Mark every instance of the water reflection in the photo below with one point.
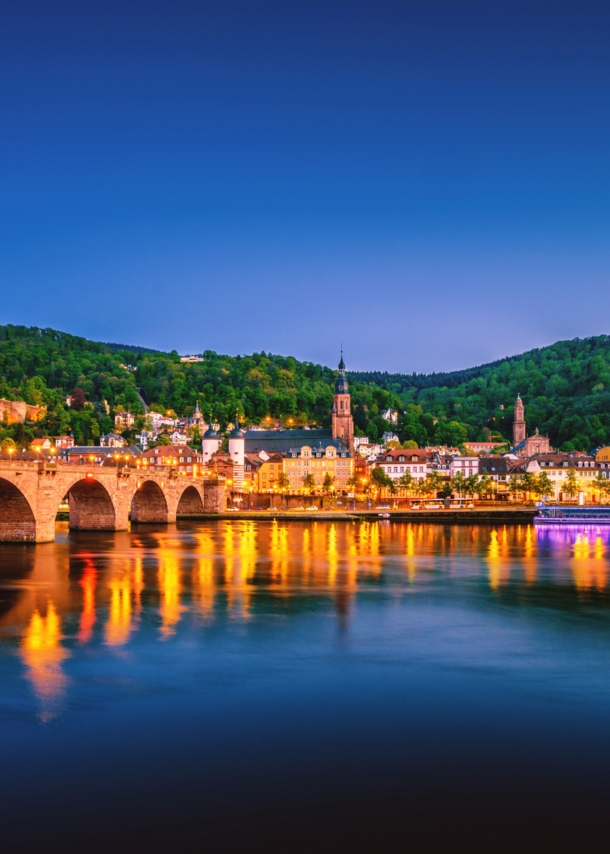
(89, 589)
(170, 587)
(43, 655)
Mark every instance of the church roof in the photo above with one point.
(286, 441)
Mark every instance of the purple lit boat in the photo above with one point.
(572, 515)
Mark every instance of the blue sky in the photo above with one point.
(426, 182)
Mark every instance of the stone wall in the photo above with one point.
(215, 496)
(12, 411)
(17, 411)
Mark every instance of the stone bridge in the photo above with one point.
(100, 498)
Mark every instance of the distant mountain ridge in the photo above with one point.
(451, 379)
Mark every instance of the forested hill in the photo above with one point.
(43, 366)
(565, 387)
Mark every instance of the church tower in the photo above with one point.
(519, 434)
(343, 423)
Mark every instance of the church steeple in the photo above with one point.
(519, 431)
(343, 423)
(341, 385)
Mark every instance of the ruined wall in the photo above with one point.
(17, 411)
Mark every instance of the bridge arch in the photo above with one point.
(149, 503)
(190, 502)
(17, 520)
(91, 506)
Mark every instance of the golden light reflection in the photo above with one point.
(43, 655)
(138, 584)
(170, 590)
(332, 555)
(204, 587)
(240, 555)
(118, 626)
(529, 554)
(588, 564)
(87, 618)
(581, 568)
(498, 565)
(279, 551)
(410, 553)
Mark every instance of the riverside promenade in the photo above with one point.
(519, 514)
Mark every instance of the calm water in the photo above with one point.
(248, 686)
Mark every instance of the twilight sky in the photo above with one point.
(427, 182)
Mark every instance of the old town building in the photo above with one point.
(181, 458)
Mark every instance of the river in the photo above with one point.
(306, 686)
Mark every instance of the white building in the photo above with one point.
(158, 420)
(466, 465)
(237, 447)
(112, 440)
(398, 462)
(369, 450)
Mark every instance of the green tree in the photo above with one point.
(602, 486)
(543, 486)
(353, 482)
(309, 482)
(328, 484)
(486, 485)
(381, 480)
(459, 483)
(515, 486)
(471, 485)
(571, 484)
(447, 488)
(405, 482)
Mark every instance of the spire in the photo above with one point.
(342, 363)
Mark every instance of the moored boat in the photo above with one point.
(572, 515)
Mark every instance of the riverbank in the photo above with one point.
(491, 515)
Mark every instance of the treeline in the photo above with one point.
(43, 366)
(565, 387)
